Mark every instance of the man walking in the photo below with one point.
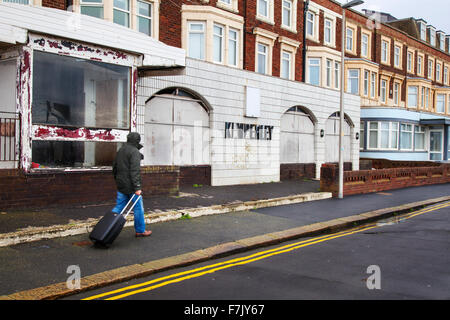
(127, 174)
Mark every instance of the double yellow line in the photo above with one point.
(198, 272)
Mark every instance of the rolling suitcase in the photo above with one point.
(110, 226)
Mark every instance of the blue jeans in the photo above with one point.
(121, 202)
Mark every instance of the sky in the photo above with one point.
(434, 12)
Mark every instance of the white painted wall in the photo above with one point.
(242, 161)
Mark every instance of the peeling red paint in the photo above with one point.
(106, 135)
(61, 132)
(42, 133)
(54, 44)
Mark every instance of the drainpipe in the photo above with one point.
(305, 11)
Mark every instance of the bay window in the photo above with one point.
(383, 135)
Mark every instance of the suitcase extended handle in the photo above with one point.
(131, 208)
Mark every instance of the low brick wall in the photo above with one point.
(297, 171)
(367, 181)
(52, 188)
(190, 175)
(385, 163)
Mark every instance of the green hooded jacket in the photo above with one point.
(127, 165)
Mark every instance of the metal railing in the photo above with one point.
(9, 136)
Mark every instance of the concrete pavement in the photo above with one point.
(40, 267)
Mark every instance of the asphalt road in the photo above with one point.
(395, 259)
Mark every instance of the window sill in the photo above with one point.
(54, 170)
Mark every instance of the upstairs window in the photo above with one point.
(287, 13)
(310, 24)
(218, 43)
(144, 17)
(196, 46)
(263, 56)
(93, 8)
(121, 12)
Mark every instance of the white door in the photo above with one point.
(296, 137)
(332, 140)
(436, 144)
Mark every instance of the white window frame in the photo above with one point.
(410, 132)
(236, 41)
(287, 6)
(438, 102)
(441, 41)
(337, 74)
(218, 36)
(86, 4)
(385, 45)
(396, 93)
(393, 131)
(124, 11)
(438, 72)
(311, 24)
(366, 82)
(373, 85)
(329, 73)
(269, 17)
(383, 90)
(420, 59)
(150, 18)
(397, 56)
(265, 54)
(421, 130)
(365, 45)
(203, 32)
(410, 94)
(430, 68)
(349, 36)
(423, 31)
(328, 31)
(308, 74)
(445, 81)
(410, 61)
(432, 37)
(349, 81)
(289, 62)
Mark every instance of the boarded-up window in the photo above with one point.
(176, 131)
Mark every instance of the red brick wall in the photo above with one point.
(367, 181)
(190, 175)
(18, 190)
(297, 171)
(57, 4)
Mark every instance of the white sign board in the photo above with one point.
(253, 99)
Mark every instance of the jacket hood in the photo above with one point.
(134, 138)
